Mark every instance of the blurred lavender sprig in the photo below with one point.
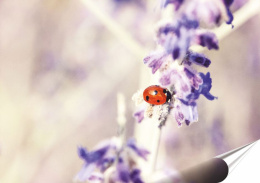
(175, 61)
(110, 156)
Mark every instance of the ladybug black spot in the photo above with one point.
(147, 98)
(155, 92)
(158, 101)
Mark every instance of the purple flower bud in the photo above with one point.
(197, 58)
(176, 53)
(187, 122)
(209, 40)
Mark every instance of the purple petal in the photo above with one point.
(105, 163)
(139, 115)
(229, 13)
(179, 117)
(155, 61)
(166, 29)
(208, 40)
(204, 88)
(131, 143)
(123, 172)
(155, 65)
(185, 113)
(194, 78)
(189, 23)
(187, 122)
(93, 156)
(135, 176)
(188, 73)
(228, 2)
(176, 53)
(82, 152)
(85, 172)
(176, 3)
(165, 79)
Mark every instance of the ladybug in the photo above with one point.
(156, 95)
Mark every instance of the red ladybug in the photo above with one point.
(156, 95)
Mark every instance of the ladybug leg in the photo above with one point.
(169, 96)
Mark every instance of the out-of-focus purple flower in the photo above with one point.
(197, 58)
(94, 159)
(123, 172)
(77, 72)
(108, 155)
(217, 136)
(141, 152)
(204, 88)
(210, 12)
(139, 115)
(206, 39)
(126, 175)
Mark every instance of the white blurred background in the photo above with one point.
(62, 64)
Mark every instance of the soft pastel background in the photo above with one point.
(62, 64)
